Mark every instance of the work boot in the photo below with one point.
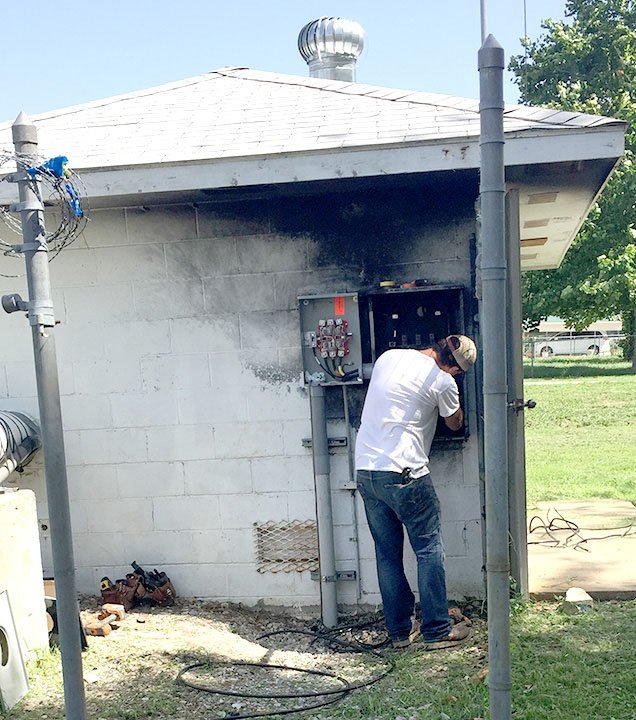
(457, 616)
(413, 636)
(458, 635)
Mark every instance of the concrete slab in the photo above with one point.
(589, 544)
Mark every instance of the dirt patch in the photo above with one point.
(141, 659)
(132, 673)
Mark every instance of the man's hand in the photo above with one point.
(456, 420)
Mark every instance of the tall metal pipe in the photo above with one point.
(493, 322)
(483, 19)
(516, 434)
(324, 515)
(42, 322)
(354, 500)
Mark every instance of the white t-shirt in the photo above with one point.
(406, 393)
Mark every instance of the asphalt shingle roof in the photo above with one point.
(236, 112)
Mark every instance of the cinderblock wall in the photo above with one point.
(182, 395)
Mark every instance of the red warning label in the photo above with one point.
(339, 305)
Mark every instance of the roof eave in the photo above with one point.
(106, 185)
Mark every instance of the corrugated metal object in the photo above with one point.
(331, 46)
(19, 441)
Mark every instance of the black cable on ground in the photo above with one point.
(341, 629)
(561, 523)
(342, 644)
(338, 693)
(329, 697)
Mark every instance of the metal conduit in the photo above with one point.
(516, 431)
(493, 322)
(42, 321)
(19, 442)
(324, 514)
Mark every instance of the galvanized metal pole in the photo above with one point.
(516, 434)
(324, 515)
(483, 20)
(493, 322)
(41, 318)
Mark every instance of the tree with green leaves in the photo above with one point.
(587, 63)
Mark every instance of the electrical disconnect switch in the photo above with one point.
(332, 338)
(330, 328)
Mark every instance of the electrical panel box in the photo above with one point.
(415, 317)
(330, 339)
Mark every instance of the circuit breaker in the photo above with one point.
(330, 339)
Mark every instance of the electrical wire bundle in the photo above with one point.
(335, 369)
(59, 189)
(334, 687)
(553, 528)
(330, 347)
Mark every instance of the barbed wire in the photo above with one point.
(59, 189)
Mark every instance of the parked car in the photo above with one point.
(572, 342)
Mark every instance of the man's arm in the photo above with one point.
(456, 420)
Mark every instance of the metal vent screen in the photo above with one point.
(286, 546)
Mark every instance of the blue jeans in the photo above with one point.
(392, 502)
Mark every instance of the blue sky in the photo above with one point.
(61, 54)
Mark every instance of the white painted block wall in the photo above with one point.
(184, 409)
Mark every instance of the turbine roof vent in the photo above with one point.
(331, 46)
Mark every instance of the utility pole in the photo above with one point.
(492, 191)
(42, 321)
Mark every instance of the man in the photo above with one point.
(407, 392)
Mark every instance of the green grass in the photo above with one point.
(576, 367)
(580, 438)
(580, 445)
(563, 666)
(577, 667)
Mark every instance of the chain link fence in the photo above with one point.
(574, 343)
(539, 349)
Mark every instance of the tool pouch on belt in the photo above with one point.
(136, 582)
(163, 595)
(121, 592)
(154, 588)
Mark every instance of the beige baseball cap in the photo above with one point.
(463, 349)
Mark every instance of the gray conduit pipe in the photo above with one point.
(19, 442)
(324, 515)
(516, 430)
(351, 462)
(493, 323)
(42, 322)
